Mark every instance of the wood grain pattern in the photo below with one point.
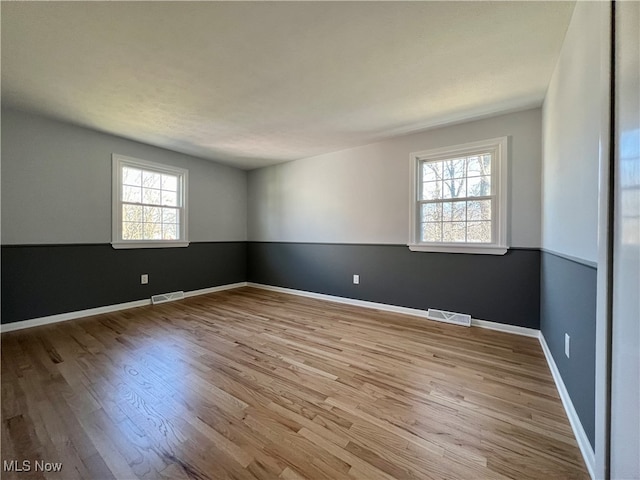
(249, 384)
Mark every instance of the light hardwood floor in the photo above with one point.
(255, 384)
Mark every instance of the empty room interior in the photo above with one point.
(320, 240)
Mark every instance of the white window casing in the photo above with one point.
(149, 204)
(434, 173)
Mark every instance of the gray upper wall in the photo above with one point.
(56, 185)
(361, 195)
(571, 134)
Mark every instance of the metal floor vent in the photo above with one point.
(167, 297)
(449, 317)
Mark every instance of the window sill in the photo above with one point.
(150, 244)
(475, 249)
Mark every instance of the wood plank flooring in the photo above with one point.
(249, 384)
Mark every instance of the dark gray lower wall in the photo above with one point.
(568, 305)
(44, 280)
(499, 288)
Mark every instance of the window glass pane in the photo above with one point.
(479, 186)
(479, 165)
(170, 231)
(431, 171)
(485, 164)
(131, 213)
(152, 231)
(459, 211)
(131, 231)
(131, 194)
(131, 176)
(452, 211)
(454, 188)
(454, 168)
(152, 214)
(151, 196)
(170, 215)
(447, 211)
(453, 231)
(431, 212)
(473, 166)
(151, 180)
(170, 182)
(169, 198)
(479, 210)
(431, 190)
(479, 232)
(431, 232)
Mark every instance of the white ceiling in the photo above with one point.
(257, 83)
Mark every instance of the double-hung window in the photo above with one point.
(149, 204)
(459, 198)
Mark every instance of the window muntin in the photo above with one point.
(149, 204)
(459, 198)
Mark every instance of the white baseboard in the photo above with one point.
(581, 436)
(63, 317)
(528, 332)
(504, 327)
(220, 288)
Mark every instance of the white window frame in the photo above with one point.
(499, 195)
(119, 161)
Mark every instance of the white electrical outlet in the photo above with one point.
(356, 279)
(567, 344)
(144, 278)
